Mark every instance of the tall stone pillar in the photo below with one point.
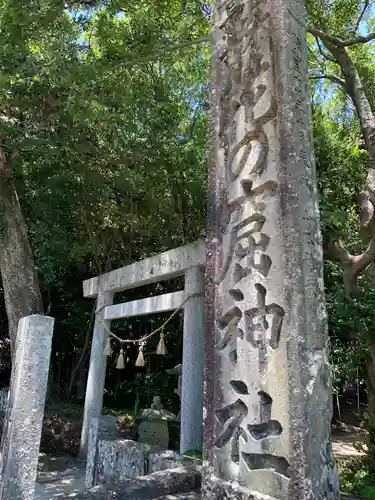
(192, 362)
(24, 417)
(97, 370)
(267, 409)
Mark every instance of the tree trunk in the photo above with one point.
(81, 381)
(20, 282)
(371, 399)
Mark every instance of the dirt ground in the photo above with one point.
(347, 433)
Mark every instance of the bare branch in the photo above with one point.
(353, 265)
(361, 262)
(157, 55)
(358, 39)
(324, 54)
(366, 4)
(80, 3)
(339, 42)
(333, 78)
(337, 251)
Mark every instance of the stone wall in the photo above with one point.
(110, 459)
(119, 459)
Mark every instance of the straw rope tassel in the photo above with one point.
(140, 359)
(108, 348)
(161, 350)
(121, 361)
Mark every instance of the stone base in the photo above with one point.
(165, 460)
(216, 489)
(159, 485)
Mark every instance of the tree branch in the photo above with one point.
(333, 78)
(157, 55)
(339, 42)
(337, 251)
(357, 40)
(324, 54)
(353, 265)
(82, 3)
(366, 4)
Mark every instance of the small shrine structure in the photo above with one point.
(188, 261)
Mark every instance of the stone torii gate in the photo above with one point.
(188, 261)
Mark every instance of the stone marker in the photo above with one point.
(267, 409)
(104, 427)
(119, 459)
(153, 424)
(24, 420)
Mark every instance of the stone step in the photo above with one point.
(193, 495)
(162, 484)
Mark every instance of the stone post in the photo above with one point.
(24, 419)
(267, 410)
(97, 370)
(192, 362)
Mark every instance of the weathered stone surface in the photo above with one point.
(164, 460)
(158, 303)
(224, 490)
(92, 445)
(267, 379)
(181, 496)
(118, 460)
(167, 265)
(158, 484)
(114, 459)
(153, 424)
(23, 426)
(103, 428)
(108, 427)
(154, 431)
(108, 423)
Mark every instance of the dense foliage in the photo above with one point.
(104, 119)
